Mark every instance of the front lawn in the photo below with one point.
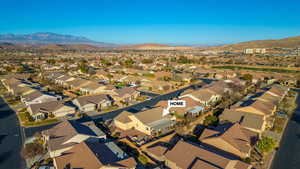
(110, 108)
(142, 98)
(278, 125)
(288, 104)
(143, 159)
(41, 122)
(266, 144)
(27, 120)
(2, 89)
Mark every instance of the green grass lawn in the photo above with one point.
(110, 108)
(256, 69)
(288, 105)
(143, 159)
(41, 123)
(27, 120)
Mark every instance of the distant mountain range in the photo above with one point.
(55, 41)
(45, 38)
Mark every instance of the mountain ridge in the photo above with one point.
(44, 38)
(155, 46)
(288, 42)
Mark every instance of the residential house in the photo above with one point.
(256, 115)
(51, 75)
(278, 91)
(93, 102)
(63, 79)
(156, 85)
(131, 71)
(192, 108)
(250, 121)
(163, 75)
(259, 107)
(119, 77)
(185, 155)
(186, 77)
(92, 88)
(56, 108)
(209, 94)
(39, 97)
(230, 137)
(133, 80)
(76, 83)
(17, 86)
(66, 134)
(203, 96)
(93, 155)
(151, 122)
(102, 75)
(125, 95)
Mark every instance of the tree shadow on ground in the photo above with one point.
(2, 136)
(5, 155)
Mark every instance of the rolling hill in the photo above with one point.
(154, 46)
(290, 42)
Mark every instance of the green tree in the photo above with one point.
(51, 61)
(83, 68)
(129, 62)
(105, 62)
(266, 144)
(298, 79)
(32, 149)
(183, 59)
(21, 69)
(210, 120)
(143, 159)
(247, 77)
(29, 117)
(147, 61)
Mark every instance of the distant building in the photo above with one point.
(255, 51)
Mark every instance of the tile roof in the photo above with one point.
(93, 155)
(202, 94)
(278, 90)
(246, 119)
(235, 136)
(47, 106)
(157, 150)
(267, 97)
(187, 155)
(92, 99)
(265, 107)
(91, 85)
(33, 95)
(63, 132)
(125, 91)
(150, 115)
(123, 117)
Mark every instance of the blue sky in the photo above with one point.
(158, 21)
